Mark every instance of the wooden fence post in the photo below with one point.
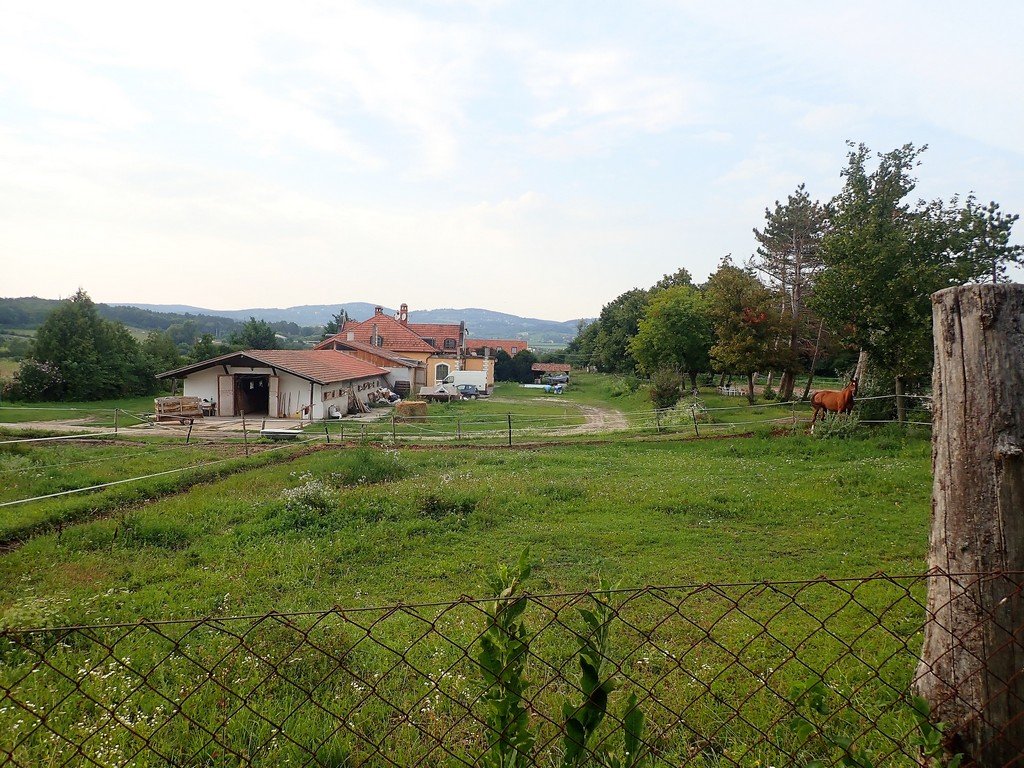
(245, 435)
(970, 670)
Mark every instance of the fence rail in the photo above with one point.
(768, 673)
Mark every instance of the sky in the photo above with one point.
(537, 158)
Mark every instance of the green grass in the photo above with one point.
(641, 513)
(30, 470)
(365, 527)
(92, 412)
(8, 368)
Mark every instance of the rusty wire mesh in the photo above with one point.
(759, 674)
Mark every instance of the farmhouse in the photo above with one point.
(434, 349)
(282, 382)
(490, 347)
(402, 371)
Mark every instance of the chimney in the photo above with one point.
(350, 336)
(378, 310)
(375, 337)
(403, 314)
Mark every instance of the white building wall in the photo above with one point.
(293, 392)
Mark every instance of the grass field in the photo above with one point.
(426, 524)
(89, 413)
(366, 526)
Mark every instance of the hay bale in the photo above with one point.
(411, 410)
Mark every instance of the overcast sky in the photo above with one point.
(535, 158)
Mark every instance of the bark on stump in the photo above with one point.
(972, 666)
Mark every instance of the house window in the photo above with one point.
(514, 350)
(440, 372)
(431, 342)
(449, 343)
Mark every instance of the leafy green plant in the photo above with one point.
(504, 646)
(816, 721)
(839, 426)
(928, 736)
(596, 684)
(666, 387)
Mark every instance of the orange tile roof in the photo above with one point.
(396, 336)
(385, 354)
(550, 367)
(505, 344)
(320, 366)
(436, 331)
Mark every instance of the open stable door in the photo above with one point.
(225, 395)
(273, 408)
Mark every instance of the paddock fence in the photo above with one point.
(817, 672)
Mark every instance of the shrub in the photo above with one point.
(666, 387)
(837, 426)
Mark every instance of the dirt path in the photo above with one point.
(598, 419)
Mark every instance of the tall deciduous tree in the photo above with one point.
(788, 254)
(616, 325)
(745, 321)
(884, 257)
(675, 332)
(255, 334)
(86, 357)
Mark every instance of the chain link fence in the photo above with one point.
(817, 672)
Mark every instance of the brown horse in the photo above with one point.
(834, 400)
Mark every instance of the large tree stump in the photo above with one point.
(972, 666)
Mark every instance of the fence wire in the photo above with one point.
(773, 673)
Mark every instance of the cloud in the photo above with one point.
(593, 98)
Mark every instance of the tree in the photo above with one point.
(518, 368)
(745, 321)
(255, 334)
(70, 341)
(681, 276)
(335, 324)
(616, 325)
(666, 386)
(79, 356)
(885, 257)
(162, 351)
(788, 254)
(203, 349)
(675, 333)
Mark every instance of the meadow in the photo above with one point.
(367, 526)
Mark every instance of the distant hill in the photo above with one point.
(482, 323)
(28, 313)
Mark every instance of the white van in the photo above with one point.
(476, 378)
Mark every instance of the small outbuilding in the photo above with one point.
(281, 383)
(555, 368)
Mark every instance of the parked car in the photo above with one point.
(469, 391)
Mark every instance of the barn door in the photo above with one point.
(225, 395)
(273, 410)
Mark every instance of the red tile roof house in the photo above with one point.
(438, 348)
(510, 347)
(281, 383)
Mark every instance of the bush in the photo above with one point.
(837, 426)
(666, 387)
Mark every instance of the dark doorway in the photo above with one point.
(252, 394)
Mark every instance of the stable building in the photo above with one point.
(282, 383)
